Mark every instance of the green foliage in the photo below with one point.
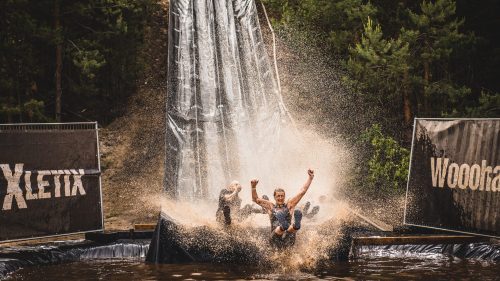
(349, 17)
(404, 59)
(377, 66)
(489, 106)
(389, 162)
(340, 21)
(421, 54)
(89, 62)
(426, 51)
(18, 56)
(7, 110)
(438, 28)
(438, 38)
(34, 110)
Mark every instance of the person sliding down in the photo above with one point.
(229, 203)
(306, 213)
(280, 213)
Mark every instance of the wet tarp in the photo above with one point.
(13, 258)
(478, 251)
(224, 109)
(175, 243)
(16, 257)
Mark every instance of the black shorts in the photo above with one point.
(287, 240)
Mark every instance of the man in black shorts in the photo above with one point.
(229, 203)
(280, 213)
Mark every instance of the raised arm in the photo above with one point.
(268, 205)
(235, 186)
(295, 200)
(230, 197)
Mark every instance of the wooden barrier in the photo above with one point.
(418, 239)
(145, 226)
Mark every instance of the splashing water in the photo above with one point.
(248, 241)
(226, 120)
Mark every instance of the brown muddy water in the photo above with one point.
(370, 266)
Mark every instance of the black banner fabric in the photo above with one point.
(454, 181)
(49, 181)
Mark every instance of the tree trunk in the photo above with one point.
(57, 28)
(20, 106)
(407, 108)
(18, 92)
(426, 83)
(406, 99)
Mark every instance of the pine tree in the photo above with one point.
(438, 37)
(348, 16)
(378, 68)
(19, 60)
(339, 22)
(87, 50)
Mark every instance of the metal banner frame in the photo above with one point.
(409, 174)
(62, 126)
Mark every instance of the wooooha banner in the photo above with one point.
(454, 181)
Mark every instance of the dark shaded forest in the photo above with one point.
(80, 60)
(414, 58)
(69, 60)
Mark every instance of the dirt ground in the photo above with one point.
(132, 146)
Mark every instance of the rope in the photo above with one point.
(280, 96)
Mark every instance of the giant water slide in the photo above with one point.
(225, 118)
(224, 108)
(225, 113)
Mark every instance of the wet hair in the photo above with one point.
(233, 184)
(278, 190)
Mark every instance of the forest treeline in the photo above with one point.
(404, 59)
(64, 60)
(414, 58)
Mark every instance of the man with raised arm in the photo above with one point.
(280, 213)
(229, 209)
(229, 203)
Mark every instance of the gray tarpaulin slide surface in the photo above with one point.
(224, 109)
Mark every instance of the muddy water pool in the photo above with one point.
(369, 266)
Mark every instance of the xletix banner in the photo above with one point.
(49, 180)
(454, 181)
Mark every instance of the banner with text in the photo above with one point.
(454, 181)
(49, 180)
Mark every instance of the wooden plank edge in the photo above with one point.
(427, 239)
